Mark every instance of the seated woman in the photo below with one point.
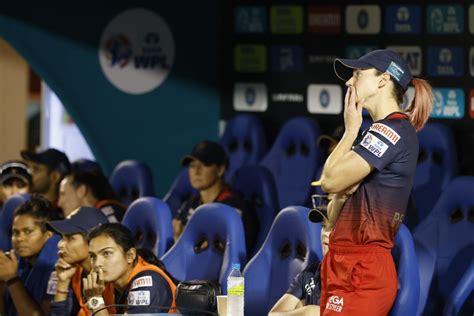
(27, 272)
(138, 277)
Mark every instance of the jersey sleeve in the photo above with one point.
(380, 145)
(296, 286)
(147, 291)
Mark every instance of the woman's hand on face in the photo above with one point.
(64, 270)
(8, 265)
(94, 284)
(352, 110)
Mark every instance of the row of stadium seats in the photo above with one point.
(435, 268)
(294, 161)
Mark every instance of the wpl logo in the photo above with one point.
(136, 60)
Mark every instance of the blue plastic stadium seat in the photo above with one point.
(149, 219)
(258, 189)
(292, 244)
(294, 160)
(220, 227)
(444, 244)
(179, 192)
(244, 142)
(130, 180)
(437, 165)
(406, 262)
(6, 219)
(461, 301)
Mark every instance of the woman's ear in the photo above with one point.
(384, 78)
(131, 255)
(221, 171)
(48, 234)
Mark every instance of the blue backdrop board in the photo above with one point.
(140, 82)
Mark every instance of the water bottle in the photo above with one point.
(235, 292)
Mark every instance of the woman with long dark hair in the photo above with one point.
(139, 278)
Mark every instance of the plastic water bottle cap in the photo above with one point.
(236, 266)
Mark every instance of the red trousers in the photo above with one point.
(358, 280)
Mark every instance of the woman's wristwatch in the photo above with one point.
(95, 302)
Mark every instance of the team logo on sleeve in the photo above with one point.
(137, 298)
(142, 282)
(374, 145)
(386, 132)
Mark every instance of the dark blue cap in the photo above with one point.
(82, 221)
(383, 60)
(208, 152)
(53, 158)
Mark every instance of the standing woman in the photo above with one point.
(138, 277)
(358, 274)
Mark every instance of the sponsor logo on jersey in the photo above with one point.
(374, 145)
(335, 303)
(138, 298)
(385, 131)
(142, 282)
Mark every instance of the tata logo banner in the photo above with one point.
(250, 58)
(355, 52)
(445, 19)
(286, 19)
(412, 56)
(445, 61)
(324, 19)
(286, 58)
(137, 59)
(250, 19)
(363, 19)
(250, 97)
(448, 103)
(403, 19)
(324, 99)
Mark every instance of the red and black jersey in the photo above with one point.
(373, 214)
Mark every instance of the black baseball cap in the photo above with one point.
(15, 169)
(53, 158)
(82, 221)
(208, 152)
(383, 60)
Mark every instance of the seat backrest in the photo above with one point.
(291, 245)
(244, 142)
(149, 219)
(220, 227)
(130, 180)
(258, 189)
(408, 294)
(447, 235)
(437, 165)
(294, 160)
(179, 192)
(462, 298)
(6, 219)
